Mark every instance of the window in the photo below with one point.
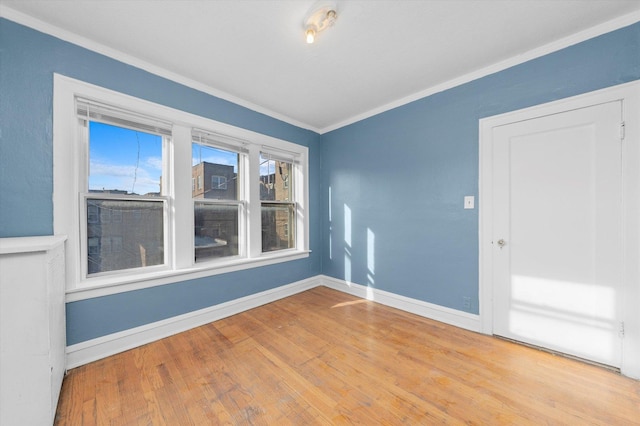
(218, 212)
(94, 246)
(92, 214)
(133, 218)
(125, 165)
(218, 183)
(143, 245)
(278, 206)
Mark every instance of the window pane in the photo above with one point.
(92, 214)
(278, 226)
(124, 161)
(216, 172)
(218, 182)
(135, 240)
(275, 179)
(216, 231)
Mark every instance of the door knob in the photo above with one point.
(501, 243)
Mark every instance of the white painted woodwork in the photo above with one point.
(32, 329)
(571, 225)
(340, 79)
(102, 347)
(69, 180)
(558, 207)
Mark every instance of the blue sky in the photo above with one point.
(213, 155)
(124, 159)
(131, 160)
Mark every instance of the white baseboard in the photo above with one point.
(101, 347)
(424, 309)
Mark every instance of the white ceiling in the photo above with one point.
(379, 54)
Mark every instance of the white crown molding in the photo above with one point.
(605, 27)
(614, 24)
(44, 27)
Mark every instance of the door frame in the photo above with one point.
(629, 94)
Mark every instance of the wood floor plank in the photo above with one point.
(322, 357)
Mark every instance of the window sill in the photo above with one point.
(106, 285)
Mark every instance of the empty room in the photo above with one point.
(319, 212)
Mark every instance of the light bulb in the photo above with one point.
(310, 35)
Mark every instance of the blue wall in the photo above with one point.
(28, 60)
(401, 175)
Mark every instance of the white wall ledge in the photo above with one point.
(30, 244)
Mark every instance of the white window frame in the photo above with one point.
(277, 154)
(212, 140)
(70, 168)
(84, 237)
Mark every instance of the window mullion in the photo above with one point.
(254, 221)
(78, 178)
(301, 196)
(183, 205)
(81, 182)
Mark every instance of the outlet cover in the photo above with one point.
(469, 202)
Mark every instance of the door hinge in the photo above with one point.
(621, 330)
(622, 130)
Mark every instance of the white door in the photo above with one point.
(557, 232)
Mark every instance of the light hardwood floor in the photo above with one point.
(324, 357)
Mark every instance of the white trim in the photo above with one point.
(68, 172)
(605, 27)
(61, 33)
(138, 282)
(418, 307)
(13, 245)
(629, 93)
(101, 347)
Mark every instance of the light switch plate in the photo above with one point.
(469, 202)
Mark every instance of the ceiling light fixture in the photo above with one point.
(320, 17)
